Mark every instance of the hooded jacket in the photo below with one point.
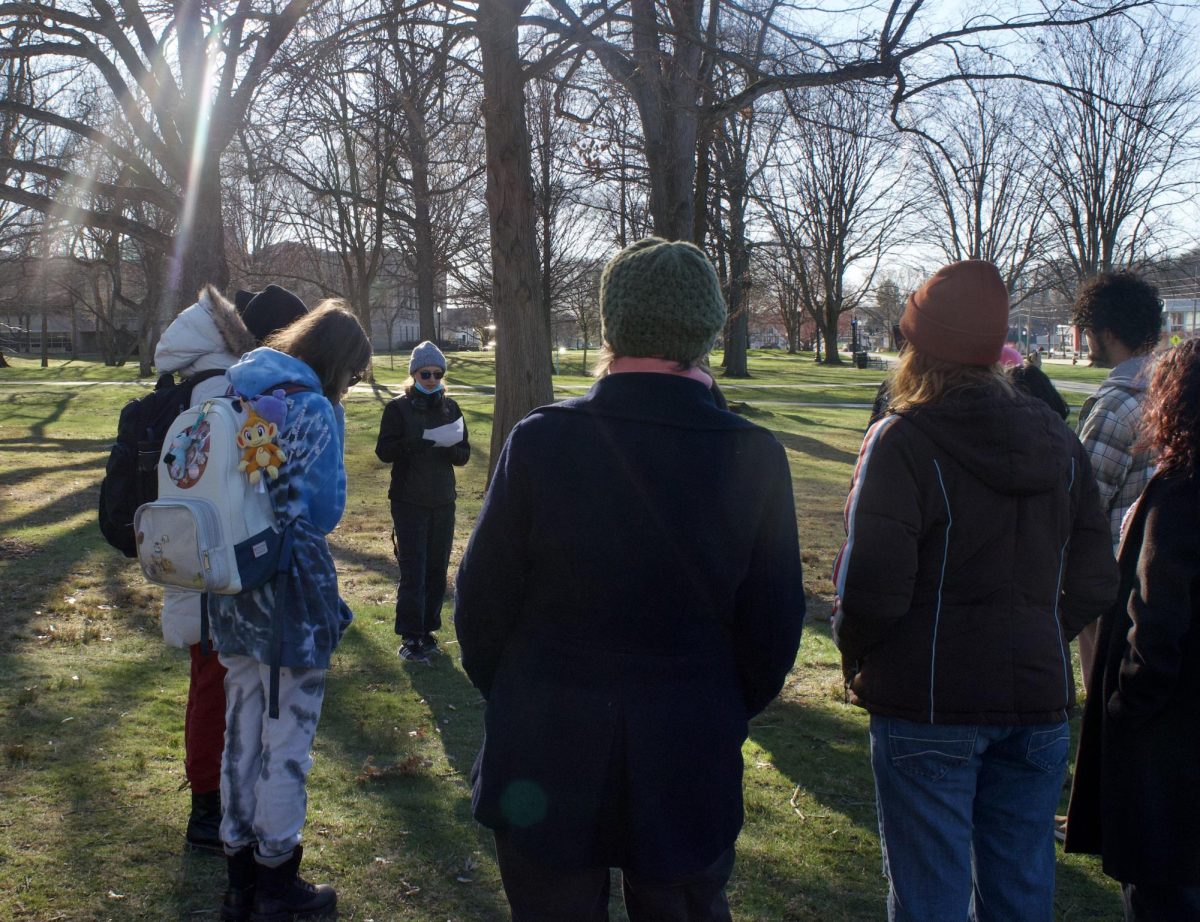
(976, 549)
(208, 336)
(309, 496)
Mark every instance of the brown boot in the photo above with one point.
(282, 895)
(239, 897)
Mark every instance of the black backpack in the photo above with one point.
(131, 475)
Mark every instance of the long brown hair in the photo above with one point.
(331, 341)
(919, 379)
(1171, 413)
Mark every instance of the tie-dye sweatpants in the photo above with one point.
(266, 762)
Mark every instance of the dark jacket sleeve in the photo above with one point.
(1090, 580)
(876, 570)
(770, 601)
(1161, 608)
(490, 586)
(398, 437)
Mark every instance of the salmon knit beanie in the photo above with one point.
(661, 298)
(960, 315)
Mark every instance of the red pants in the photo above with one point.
(204, 722)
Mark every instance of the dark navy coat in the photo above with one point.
(1136, 796)
(630, 597)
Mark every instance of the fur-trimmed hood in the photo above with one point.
(207, 335)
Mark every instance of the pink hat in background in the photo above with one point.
(1009, 356)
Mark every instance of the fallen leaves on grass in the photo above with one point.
(16, 549)
(406, 767)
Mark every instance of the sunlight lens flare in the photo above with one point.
(183, 231)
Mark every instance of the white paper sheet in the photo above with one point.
(447, 435)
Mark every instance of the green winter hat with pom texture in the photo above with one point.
(661, 298)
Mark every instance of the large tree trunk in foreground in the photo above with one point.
(522, 344)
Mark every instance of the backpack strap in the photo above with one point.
(205, 639)
(289, 388)
(278, 617)
(282, 574)
(205, 375)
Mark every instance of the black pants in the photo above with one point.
(537, 893)
(423, 538)
(1150, 903)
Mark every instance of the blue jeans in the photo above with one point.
(966, 819)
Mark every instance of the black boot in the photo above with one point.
(239, 897)
(204, 825)
(282, 894)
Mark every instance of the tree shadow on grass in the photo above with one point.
(815, 448)
(827, 425)
(381, 717)
(827, 758)
(94, 803)
(45, 419)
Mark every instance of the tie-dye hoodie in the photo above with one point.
(310, 496)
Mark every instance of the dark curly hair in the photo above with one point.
(1125, 305)
(1171, 414)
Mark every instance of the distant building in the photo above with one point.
(1181, 318)
(73, 301)
(68, 301)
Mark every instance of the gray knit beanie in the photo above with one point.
(661, 298)
(424, 355)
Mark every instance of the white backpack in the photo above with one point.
(210, 530)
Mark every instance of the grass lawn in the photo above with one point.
(91, 701)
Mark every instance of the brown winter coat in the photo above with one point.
(976, 549)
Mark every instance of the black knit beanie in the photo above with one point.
(661, 298)
(268, 311)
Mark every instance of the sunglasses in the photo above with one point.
(354, 379)
(426, 375)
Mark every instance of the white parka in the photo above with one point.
(208, 335)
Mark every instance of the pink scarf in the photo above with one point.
(626, 363)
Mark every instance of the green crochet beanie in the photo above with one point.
(661, 298)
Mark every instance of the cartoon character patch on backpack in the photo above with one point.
(257, 436)
(187, 455)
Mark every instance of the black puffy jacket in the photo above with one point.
(976, 550)
(422, 473)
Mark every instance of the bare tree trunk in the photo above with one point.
(737, 340)
(423, 244)
(522, 345)
(829, 333)
(667, 90)
(199, 252)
